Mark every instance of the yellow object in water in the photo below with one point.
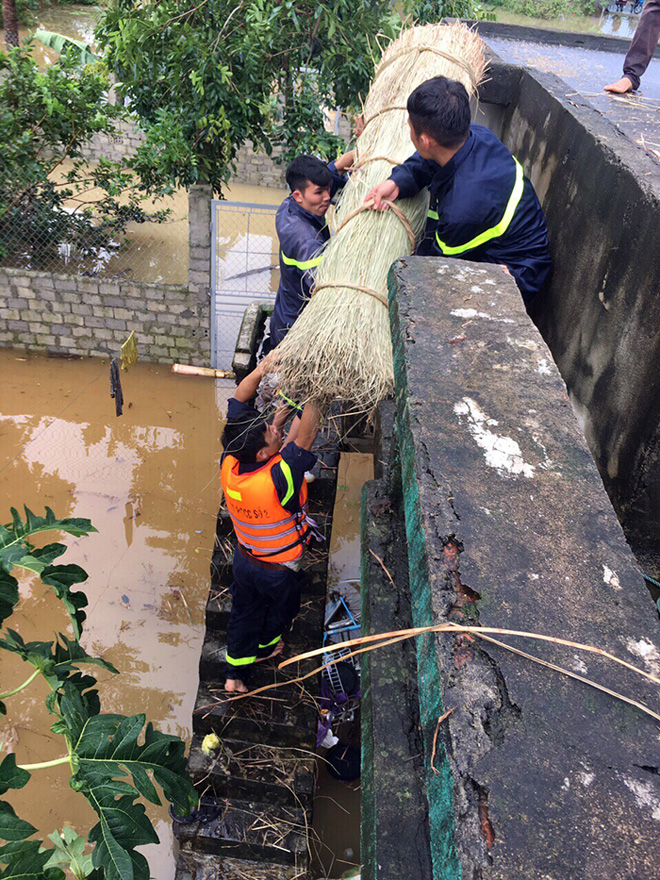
(129, 352)
(210, 744)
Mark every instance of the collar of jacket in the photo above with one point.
(294, 208)
(457, 159)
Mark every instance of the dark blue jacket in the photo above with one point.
(301, 236)
(482, 208)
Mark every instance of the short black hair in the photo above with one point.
(305, 170)
(440, 108)
(245, 436)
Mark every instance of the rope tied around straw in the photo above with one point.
(369, 290)
(448, 56)
(336, 284)
(380, 113)
(368, 159)
(396, 210)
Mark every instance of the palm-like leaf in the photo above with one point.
(112, 768)
(17, 552)
(61, 44)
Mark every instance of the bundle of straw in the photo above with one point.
(340, 347)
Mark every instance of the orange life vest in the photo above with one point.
(261, 523)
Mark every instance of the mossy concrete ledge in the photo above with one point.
(534, 775)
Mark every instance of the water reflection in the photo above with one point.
(148, 481)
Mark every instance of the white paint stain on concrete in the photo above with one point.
(476, 289)
(528, 344)
(543, 367)
(647, 652)
(579, 665)
(611, 578)
(645, 795)
(473, 313)
(502, 453)
(586, 778)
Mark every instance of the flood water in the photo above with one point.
(149, 483)
(616, 25)
(336, 819)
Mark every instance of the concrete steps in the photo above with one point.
(256, 789)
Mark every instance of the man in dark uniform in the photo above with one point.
(266, 496)
(482, 208)
(302, 231)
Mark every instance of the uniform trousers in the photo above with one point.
(643, 43)
(265, 600)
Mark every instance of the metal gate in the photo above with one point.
(244, 269)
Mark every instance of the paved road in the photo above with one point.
(586, 71)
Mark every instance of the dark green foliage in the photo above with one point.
(203, 81)
(46, 117)
(429, 11)
(17, 552)
(115, 760)
(12, 776)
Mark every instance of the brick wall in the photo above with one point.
(258, 168)
(251, 167)
(89, 316)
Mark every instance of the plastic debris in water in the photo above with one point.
(129, 352)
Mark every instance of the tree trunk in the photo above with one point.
(10, 23)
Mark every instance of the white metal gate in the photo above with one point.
(244, 269)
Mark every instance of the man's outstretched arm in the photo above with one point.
(247, 387)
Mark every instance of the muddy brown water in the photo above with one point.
(336, 820)
(149, 483)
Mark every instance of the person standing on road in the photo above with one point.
(641, 50)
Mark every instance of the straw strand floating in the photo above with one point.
(340, 348)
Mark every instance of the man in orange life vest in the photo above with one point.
(266, 496)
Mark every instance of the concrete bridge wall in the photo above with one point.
(491, 513)
(601, 318)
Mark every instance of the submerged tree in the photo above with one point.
(10, 22)
(46, 118)
(205, 76)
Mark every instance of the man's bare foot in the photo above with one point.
(235, 686)
(277, 650)
(621, 87)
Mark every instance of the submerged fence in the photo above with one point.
(244, 268)
(38, 236)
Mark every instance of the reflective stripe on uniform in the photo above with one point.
(288, 476)
(433, 215)
(235, 495)
(264, 539)
(260, 527)
(239, 661)
(494, 231)
(272, 642)
(303, 266)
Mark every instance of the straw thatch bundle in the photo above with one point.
(340, 347)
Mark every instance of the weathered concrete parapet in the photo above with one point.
(534, 775)
(601, 196)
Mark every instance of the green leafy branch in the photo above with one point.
(115, 760)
